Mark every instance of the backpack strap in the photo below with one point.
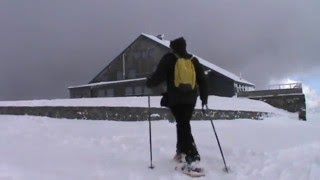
(177, 56)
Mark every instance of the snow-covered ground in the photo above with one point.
(214, 102)
(278, 147)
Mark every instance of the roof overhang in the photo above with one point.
(106, 82)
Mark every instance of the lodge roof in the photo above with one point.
(203, 62)
(166, 43)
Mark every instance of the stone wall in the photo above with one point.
(292, 100)
(125, 113)
(291, 103)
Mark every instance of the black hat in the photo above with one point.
(178, 43)
(179, 46)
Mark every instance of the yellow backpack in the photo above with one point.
(184, 74)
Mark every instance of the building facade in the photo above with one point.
(126, 74)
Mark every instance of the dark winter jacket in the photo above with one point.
(165, 73)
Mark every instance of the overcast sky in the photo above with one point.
(48, 45)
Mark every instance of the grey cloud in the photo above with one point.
(46, 46)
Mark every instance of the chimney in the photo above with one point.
(160, 36)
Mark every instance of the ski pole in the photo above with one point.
(150, 137)
(214, 130)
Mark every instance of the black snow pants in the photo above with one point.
(185, 141)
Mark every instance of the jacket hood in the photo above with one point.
(179, 46)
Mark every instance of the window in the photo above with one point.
(132, 73)
(144, 54)
(138, 90)
(235, 88)
(119, 75)
(129, 91)
(101, 93)
(110, 92)
(136, 55)
(147, 90)
(151, 53)
(104, 76)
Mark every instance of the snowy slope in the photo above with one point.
(34, 148)
(279, 147)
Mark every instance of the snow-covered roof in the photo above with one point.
(154, 38)
(106, 82)
(222, 71)
(203, 62)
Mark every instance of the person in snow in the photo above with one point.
(181, 103)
